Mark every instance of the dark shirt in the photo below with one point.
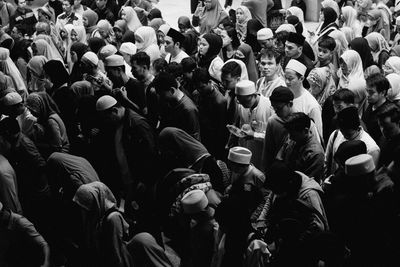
(388, 148)
(24, 18)
(105, 13)
(370, 119)
(136, 92)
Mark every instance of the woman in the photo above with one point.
(95, 44)
(361, 45)
(77, 51)
(191, 35)
(209, 16)
(331, 4)
(395, 51)
(120, 29)
(78, 34)
(321, 84)
(8, 67)
(210, 45)
(90, 19)
(253, 26)
(243, 16)
(349, 18)
(379, 48)
(42, 48)
(377, 24)
(146, 40)
(348, 33)
(37, 82)
(104, 226)
(392, 65)
(104, 29)
(351, 76)
(327, 25)
(297, 12)
(55, 44)
(155, 13)
(258, 9)
(230, 42)
(245, 54)
(393, 93)
(55, 137)
(130, 16)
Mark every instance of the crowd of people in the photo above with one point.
(237, 139)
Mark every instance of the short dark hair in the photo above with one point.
(231, 68)
(9, 126)
(141, 59)
(164, 81)
(71, 2)
(348, 118)
(379, 81)
(298, 121)
(344, 95)
(390, 110)
(201, 75)
(232, 33)
(327, 42)
(175, 69)
(281, 177)
(282, 36)
(160, 64)
(188, 64)
(269, 53)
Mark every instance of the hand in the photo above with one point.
(138, 9)
(249, 133)
(120, 93)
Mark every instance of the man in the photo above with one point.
(303, 101)
(68, 16)
(302, 151)
(349, 129)
(23, 17)
(265, 38)
(173, 46)
(377, 87)
(133, 145)
(21, 244)
(91, 73)
(389, 123)
(179, 111)
(294, 50)
(212, 113)
(115, 68)
(252, 115)
(270, 69)
(103, 11)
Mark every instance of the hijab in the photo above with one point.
(121, 25)
(323, 78)
(377, 43)
(92, 19)
(349, 15)
(244, 74)
(129, 36)
(361, 45)
(35, 65)
(181, 144)
(253, 26)
(393, 93)
(149, 42)
(95, 44)
(296, 11)
(331, 4)
(155, 13)
(296, 23)
(330, 17)
(44, 49)
(396, 50)
(348, 33)
(258, 9)
(52, 43)
(6, 85)
(156, 23)
(42, 105)
(81, 33)
(211, 18)
(215, 46)
(57, 73)
(8, 68)
(394, 64)
(249, 60)
(241, 26)
(80, 49)
(132, 20)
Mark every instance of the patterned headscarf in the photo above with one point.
(323, 78)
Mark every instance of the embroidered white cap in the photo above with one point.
(359, 165)
(298, 67)
(245, 87)
(239, 155)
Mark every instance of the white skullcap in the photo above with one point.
(90, 57)
(194, 201)
(286, 28)
(239, 155)
(298, 67)
(105, 102)
(359, 165)
(264, 34)
(128, 48)
(107, 51)
(114, 61)
(164, 28)
(11, 99)
(245, 87)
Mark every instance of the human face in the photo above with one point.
(340, 105)
(85, 22)
(292, 80)
(203, 46)
(226, 40)
(123, 14)
(114, 74)
(373, 95)
(126, 57)
(74, 57)
(66, 6)
(15, 34)
(387, 69)
(21, 3)
(269, 43)
(42, 16)
(247, 101)
(292, 50)
(315, 88)
(77, 3)
(239, 15)
(268, 67)
(101, 3)
(111, 116)
(208, 4)
(324, 55)
(388, 128)
(166, 96)
(229, 82)
(137, 70)
(74, 36)
(160, 37)
(298, 136)
(169, 44)
(282, 110)
(139, 42)
(343, 67)
(349, 134)
(118, 33)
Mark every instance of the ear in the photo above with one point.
(300, 49)
(114, 110)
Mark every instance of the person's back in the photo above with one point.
(8, 186)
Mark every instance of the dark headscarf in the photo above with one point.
(296, 23)
(129, 36)
(42, 105)
(95, 44)
(80, 49)
(154, 14)
(215, 42)
(253, 26)
(361, 45)
(330, 16)
(57, 73)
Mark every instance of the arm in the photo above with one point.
(55, 139)
(315, 114)
(314, 165)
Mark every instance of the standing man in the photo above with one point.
(23, 18)
(173, 46)
(68, 16)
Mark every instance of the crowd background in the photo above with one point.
(234, 136)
